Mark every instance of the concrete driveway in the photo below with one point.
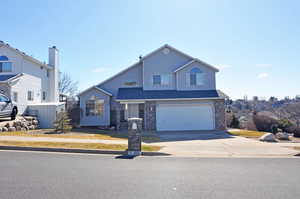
(220, 144)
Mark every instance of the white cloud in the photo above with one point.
(223, 66)
(264, 65)
(98, 70)
(262, 75)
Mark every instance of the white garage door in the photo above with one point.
(175, 117)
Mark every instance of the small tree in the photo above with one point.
(62, 123)
(235, 122)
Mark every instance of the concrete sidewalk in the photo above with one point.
(221, 144)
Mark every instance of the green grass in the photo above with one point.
(70, 145)
(246, 133)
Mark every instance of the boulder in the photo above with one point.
(31, 127)
(282, 136)
(35, 122)
(0, 129)
(268, 137)
(12, 128)
(4, 129)
(19, 128)
(23, 129)
(7, 125)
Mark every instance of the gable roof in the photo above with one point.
(97, 89)
(140, 94)
(23, 54)
(193, 61)
(148, 55)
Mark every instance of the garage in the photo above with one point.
(178, 117)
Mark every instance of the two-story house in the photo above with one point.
(168, 89)
(30, 83)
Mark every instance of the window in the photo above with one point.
(15, 96)
(3, 98)
(5, 67)
(44, 95)
(94, 107)
(48, 73)
(30, 95)
(156, 80)
(196, 77)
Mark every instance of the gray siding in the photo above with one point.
(103, 120)
(160, 63)
(133, 74)
(209, 78)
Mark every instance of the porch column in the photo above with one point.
(150, 116)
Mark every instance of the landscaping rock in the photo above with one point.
(4, 129)
(268, 137)
(7, 125)
(282, 136)
(19, 128)
(12, 128)
(35, 122)
(0, 129)
(23, 129)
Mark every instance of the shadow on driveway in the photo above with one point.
(190, 135)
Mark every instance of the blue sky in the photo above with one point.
(256, 44)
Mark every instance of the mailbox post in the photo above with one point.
(134, 136)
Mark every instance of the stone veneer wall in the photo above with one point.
(220, 114)
(150, 116)
(117, 107)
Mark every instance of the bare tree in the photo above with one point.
(67, 86)
(290, 112)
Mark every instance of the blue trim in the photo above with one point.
(3, 58)
(139, 93)
(6, 77)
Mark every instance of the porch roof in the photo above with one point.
(140, 94)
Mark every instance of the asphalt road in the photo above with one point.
(50, 175)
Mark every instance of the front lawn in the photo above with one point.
(80, 134)
(246, 133)
(71, 145)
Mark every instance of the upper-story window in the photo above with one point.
(5, 65)
(161, 79)
(156, 80)
(196, 77)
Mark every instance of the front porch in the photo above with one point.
(139, 109)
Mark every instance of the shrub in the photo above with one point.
(234, 122)
(264, 123)
(63, 122)
(297, 131)
(286, 125)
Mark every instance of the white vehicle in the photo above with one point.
(7, 107)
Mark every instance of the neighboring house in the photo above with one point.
(31, 84)
(167, 88)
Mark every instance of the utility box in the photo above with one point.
(135, 136)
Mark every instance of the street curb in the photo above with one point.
(89, 151)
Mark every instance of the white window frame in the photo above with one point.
(200, 78)
(31, 96)
(44, 95)
(153, 82)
